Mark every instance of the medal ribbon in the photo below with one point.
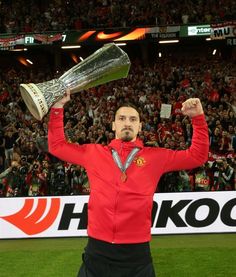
(117, 160)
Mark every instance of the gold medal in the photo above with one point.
(123, 177)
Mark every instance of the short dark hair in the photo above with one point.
(127, 105)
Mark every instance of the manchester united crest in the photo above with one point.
(139, 161)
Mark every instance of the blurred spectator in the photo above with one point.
(233, 140)
(202, 179)
(2, 150)
(215, 139)
(224, 175)
(36, 180)
(12, 181)
(228, 175)
(11, 134)
(59, 180)
(168, 182)
(183, 181)
(225, 142)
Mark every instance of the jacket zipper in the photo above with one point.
(115, 207)
(114, 218)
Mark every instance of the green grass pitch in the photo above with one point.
(209, 255)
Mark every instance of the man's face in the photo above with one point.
(127, 124)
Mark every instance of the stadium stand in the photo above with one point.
(26, 167)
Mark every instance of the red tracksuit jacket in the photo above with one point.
(120, 212)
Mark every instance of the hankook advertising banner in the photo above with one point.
(66, 216)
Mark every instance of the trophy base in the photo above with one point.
(34, 100)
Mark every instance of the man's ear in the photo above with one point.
(140, 127)
(113, 126)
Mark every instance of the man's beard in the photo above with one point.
(127, 136)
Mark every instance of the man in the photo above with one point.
(227, 175)
(123, 178)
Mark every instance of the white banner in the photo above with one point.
(66, 216)
(223, 30)
(194, 212)
(165, 111)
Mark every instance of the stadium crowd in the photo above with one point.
(57, 15)
(27, 169)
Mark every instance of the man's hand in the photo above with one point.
(192, 107)
(60, 103)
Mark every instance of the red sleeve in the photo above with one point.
(194, 156)
(57, 144)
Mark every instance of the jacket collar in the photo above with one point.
(119, 144)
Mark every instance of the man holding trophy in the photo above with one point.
(123, 177)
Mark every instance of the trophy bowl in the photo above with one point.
(107, 64)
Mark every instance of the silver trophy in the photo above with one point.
(106, 64)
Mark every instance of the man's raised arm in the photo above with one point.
(197, 153)
(58, 146)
